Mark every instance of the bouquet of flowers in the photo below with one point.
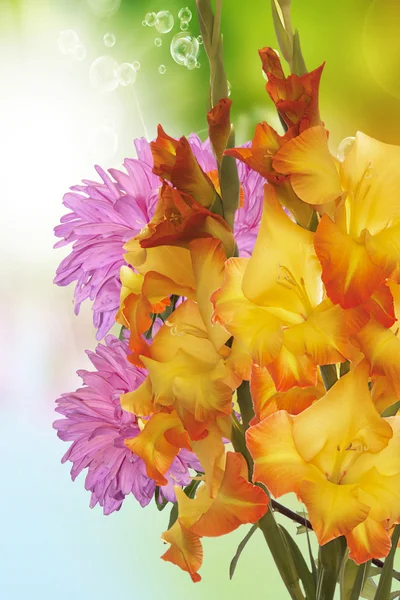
(257, 291)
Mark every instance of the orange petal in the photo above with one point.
(368, 540)
(334, 510)
(349, 275)
(219, 126)
(174, 160)
(277, 462)
(237, 502)
(380, 306)
(288, 370)
(153, 447)
(271, 63)
(267, 400)
(313, 173)
(381, 348)
(324, 336)
(384, 250)
(210, 451)
(186, 550)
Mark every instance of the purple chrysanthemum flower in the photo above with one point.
(106, 215)
(98, 426)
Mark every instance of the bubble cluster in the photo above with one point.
(158, 42)
(103, 74)
(164, 21)
(104, 8)
(150, 19)
(185, 15)
(126, 74)
(109, 40)
(184, 49)
(345, 147)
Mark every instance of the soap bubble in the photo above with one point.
(79, 52)
(144, 23)
(182, 46)
(191, 63)
(164, 22)
(185, 15)
(150, 19)
(200, 39)
(184, 26)
(198, 65)
(158, 42)
(104, 8)
(136, 65)
(103, 74)
(162, 69)
(67, 41)
(344, 148)
(109, 40)
(126, 74)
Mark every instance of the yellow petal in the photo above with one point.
(332, 443)
(334, 510)
(283, 256)
(277, 462)
(313, 173)
(208, 259)
(186, 550)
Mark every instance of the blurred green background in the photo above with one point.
(54, 127)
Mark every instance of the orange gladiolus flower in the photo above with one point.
(295, 97)
(236, 502)
(178, 219)
(358, 250)
(341, 459)
(186, 373)
(174, 161)
(274, 306)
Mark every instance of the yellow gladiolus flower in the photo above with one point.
(341, 459)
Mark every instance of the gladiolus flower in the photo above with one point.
(341, 459)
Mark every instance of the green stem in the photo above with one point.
(330, 560)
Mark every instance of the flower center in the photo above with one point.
(345, 458)
(287, 280)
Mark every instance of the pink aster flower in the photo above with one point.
(106, 215)
(97, 427)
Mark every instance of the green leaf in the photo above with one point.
(369, 590)
(385, 580)
(160, 505)
(284, 39)
(240, 549)
(301, 565)
(352, 579)
(299, 66)
(390, 411)
(301, 529)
